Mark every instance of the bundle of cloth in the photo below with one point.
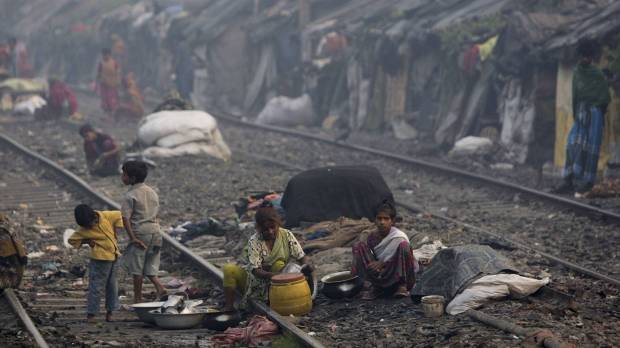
(288, 112)
(182, 132)
(468, 276)
(18, 86)
(28, 104)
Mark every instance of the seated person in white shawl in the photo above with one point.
(385, 261)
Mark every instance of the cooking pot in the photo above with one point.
(341, 284)
(219, 321)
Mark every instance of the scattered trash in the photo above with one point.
(51, 248)
(35, 254)
(426, 252)
(258, 330)
(403, 131)
(29, 105)
(65, 237)
(471, 146)
(210, 226)
(502, 166)
(285, 111)
(78, 283)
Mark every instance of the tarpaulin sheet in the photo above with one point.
(331, 192)
(453, 268)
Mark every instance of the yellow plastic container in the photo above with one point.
(290, 294)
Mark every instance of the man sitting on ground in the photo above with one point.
(385, 261)
(102, 153)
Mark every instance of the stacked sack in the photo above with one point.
(182, 132)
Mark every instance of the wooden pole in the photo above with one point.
(505, 325)
(304, 14)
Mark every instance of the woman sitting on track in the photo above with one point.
(266, 254)
(385, 261)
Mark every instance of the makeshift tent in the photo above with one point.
(328, 193)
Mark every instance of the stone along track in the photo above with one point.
(582, 234)
(206, 187)
(41, 196)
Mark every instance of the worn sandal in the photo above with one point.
(369, 295)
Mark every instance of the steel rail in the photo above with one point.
(19, 310)
(425, 164)
(211, 269)
(416, 209)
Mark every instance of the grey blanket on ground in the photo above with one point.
(452, 269)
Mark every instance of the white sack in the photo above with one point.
(29, 106)
(284, 111)
(182, 132)
(494, 287)
(471, 146)
(158, 125)
(176, 139)
(186, 149)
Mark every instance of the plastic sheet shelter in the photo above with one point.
(331, 192)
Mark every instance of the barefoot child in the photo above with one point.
(140, 207)
(98, 230)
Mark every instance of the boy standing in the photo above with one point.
(139, 209)
(98, 230)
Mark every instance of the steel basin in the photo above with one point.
(177, 321)
(142, 311)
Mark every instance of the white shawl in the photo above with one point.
(388, 246)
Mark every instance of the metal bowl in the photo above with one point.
(177, 321)
(220, 321)
(341, 284)
(142, 311)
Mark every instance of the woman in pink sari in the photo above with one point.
(108, 80)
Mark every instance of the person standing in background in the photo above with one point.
(590, 99)
(108, 80)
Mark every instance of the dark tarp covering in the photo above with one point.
(454, 268)
(331, 192)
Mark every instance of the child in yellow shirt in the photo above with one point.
(98, 230)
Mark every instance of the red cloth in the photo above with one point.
(470, 58)
(109, 98)
(59, 92)
(259, 329)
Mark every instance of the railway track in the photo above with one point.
(483, 205)
(326, 311)
(41, 192)
(524, 215)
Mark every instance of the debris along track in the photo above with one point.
(554, 225)
(338, 319)
(42, 196)
(188, 194)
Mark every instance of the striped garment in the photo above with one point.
(583, 146)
